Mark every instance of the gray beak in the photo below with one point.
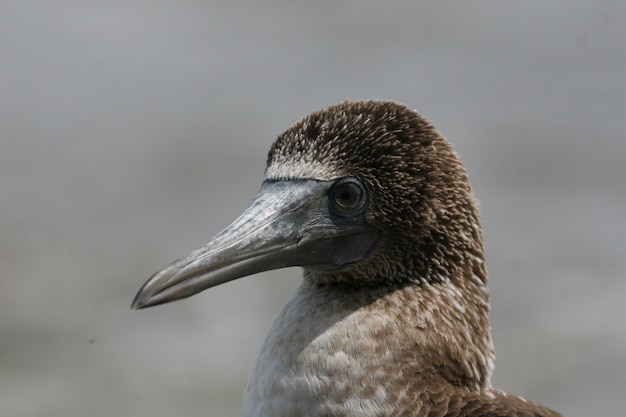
(289, 223)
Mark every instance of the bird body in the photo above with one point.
(391, 318)
(332, 352)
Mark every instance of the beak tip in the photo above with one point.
(136, 305)
(141, 301)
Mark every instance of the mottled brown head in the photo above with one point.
(419, 193)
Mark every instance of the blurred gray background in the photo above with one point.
(133, 131)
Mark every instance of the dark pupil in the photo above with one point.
(348, 196)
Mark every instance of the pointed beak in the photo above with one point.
(289, 223)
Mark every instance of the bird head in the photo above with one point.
(360, 193)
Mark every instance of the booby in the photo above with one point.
(391, 318)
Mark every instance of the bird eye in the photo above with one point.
(347, 196)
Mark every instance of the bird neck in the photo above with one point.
(438, 329)
(332, 343)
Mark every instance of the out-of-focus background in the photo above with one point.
(132, 132)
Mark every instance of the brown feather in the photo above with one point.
(425, 285)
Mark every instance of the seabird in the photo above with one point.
(391, 318)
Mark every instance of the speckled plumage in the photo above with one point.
(404, 332)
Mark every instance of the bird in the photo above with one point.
(391, 315)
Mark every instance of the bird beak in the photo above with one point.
(289, 223)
